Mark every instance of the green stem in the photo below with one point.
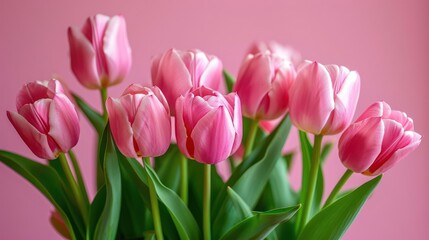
(73, 185)
(80, 181)
(184, 179)
(154, 205)
(103, 92)
(338, 187)
(206, 201)
(308, 201)
(251, 137)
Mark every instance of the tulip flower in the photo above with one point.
(46, 120)
(140, 121)
(177, 72)
(208, 125)
(263, 84)
(323, 98)
(100, 53)
(378, 139)
(59, 225)
(285, 52)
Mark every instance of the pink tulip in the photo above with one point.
(100, 53)
(140, 121)
(208, 125)
(46, 120)
(58, 223)
(285, 52)
(177, 72)
(323, 98)
(377, 140)
(263, 84)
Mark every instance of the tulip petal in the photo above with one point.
(213, 137)
(234, 102)
(403, 119)
(152, 127)
(63, 122)
(37, 114)
(311, 98)
(180, 127)
(36, 141)
(360, 144)
(211, 76)
(120, 127)
(30, 93)
(378, 109)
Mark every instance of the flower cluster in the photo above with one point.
(196, 110)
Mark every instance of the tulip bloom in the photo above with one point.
(285, 52)
(100, 53)
(208, 125)
(323, 98)
(263, 84)
(140, 121)
(46, 120)
(177, 72)
(378, 139)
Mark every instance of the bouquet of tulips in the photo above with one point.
(199, 155)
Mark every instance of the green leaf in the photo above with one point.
(182, 217)
(326, 149)
(92, 115)
(239, 204)
(167, 167)
(229, 80)
(95, 211)
(107, 225)
(333, 221)
(260, 225)
(250, 178)
(49, 183)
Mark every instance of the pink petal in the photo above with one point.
(377, 109)
(213, 137)
(37, 114)
(360, 144)
(64, 122)
(181, 135)
(212, 75)
(311, 98)
(154, 69)
(120, 127)
(36, 141)
(403, 119)
(30, 93)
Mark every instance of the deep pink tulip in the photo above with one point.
(177, 72)
(208, 125)
(323, 98)
(46, 120)
(286, 52)
(263, 85)
(140, 121)
(377, 140)
(100, 53)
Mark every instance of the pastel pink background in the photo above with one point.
(386, 41)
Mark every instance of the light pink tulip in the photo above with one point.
(177, 72)
(377, 140)
(46, 120)
(208, 125)
(140, 121)
(100, 53)
(286, 52)
(263, 84)
(323, 98)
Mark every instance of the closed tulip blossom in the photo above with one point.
(263, 85)
(99, 52)
(46, 120)
(286, 52)
(323, 98)
(177, 72)
(140, 121)
(377, 140)
(208, 125)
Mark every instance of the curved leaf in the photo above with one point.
(95, 211)
(239, 204)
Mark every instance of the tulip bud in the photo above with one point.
(285, 52)
(100, 53)
(263, 84)
(59, 225)
(377, 140)
(323, 98)
(208, 125)
(46, 120)
(140, 121)
(177, 72)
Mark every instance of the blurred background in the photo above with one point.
(387, 42)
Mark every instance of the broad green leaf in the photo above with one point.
(229, 80)
(249, 178)
(333, 221)
(167, 168)
(239, 204)
(260, 225)
(92, 115)
(49, 183)
(95, 211)
(107, 225)
(182, 217)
